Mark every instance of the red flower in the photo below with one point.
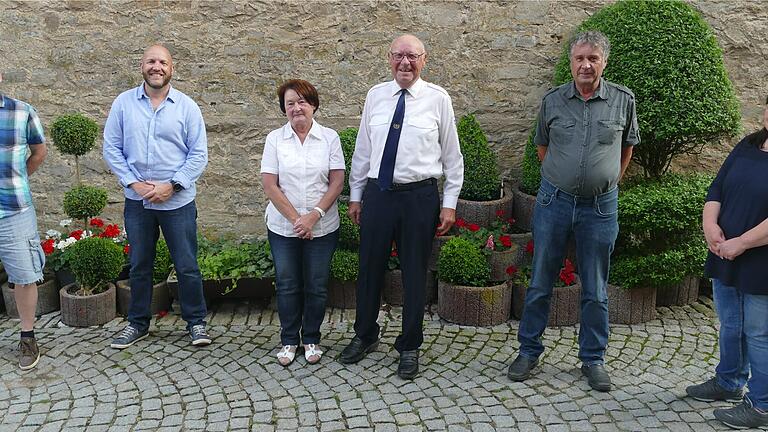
(111, 231)
(568, 266)
(48, 246)
(511, 221)
(461, 223)
(529, 247)
(77, 234)
(473, 227)
(499, 214)
(489, 243)
(566, 273)
(393, 253)
(506, 241)
(162, 313)
(96, 222)
(127, 249)
(511, 270)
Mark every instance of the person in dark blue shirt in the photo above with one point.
(735, 222)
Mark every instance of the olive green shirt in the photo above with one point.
(585, 138)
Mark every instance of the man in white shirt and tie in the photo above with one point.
(406, 142)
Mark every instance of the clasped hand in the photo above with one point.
(304, 224)
(718, 245)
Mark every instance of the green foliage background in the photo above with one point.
(344, 265)
(348, 137)
(482, 180)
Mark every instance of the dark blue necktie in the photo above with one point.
(387, 167)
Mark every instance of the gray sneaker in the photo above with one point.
(710, 391)
(29, 353)
(199, 335)
(129, 336)
(743, 416)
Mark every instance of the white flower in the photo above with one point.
(66, 242)
(52, 233)
(65, 222)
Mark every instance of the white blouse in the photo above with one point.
(303, 174)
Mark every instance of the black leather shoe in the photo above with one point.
(356, 350)
(409, 364)
(521, 368)
(597, 377)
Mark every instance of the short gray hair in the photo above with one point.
(591, 37)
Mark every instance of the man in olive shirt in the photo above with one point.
(584, 137)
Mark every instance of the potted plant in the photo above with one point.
(496, 242)
(341, 286)
(466, 294)
(74, 134)
(95, 262)
(160, 294)
(482, 194)
(565, 303)
(525, 193)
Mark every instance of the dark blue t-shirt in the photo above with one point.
(742, 192)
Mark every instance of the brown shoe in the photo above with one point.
(29, 353)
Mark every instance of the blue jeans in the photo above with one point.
(302, 268)
(179, 228)
(743, 341)
(592, 221)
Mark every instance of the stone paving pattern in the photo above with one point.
(163, 383)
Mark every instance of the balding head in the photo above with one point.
(157, 67)
(407, 58)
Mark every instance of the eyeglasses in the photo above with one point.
(398, 57)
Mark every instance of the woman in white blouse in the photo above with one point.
(302, 171)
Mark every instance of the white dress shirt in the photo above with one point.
(428, 146)
(303, 174)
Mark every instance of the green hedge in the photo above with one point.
(344, 265)
(163, 262)
(349, 232)
(348, 138)
(660, 269)
(531, 167)
(666, 53)
(95, 261)
(461, 262)
(482, 181)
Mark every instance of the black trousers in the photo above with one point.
(409, 216)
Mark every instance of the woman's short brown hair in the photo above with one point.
(303, 88)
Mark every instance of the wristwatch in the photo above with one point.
(177, 187)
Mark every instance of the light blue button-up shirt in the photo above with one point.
(143, 144)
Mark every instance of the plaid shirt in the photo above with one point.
(19, 128)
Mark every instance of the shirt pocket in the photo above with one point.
(378, 121)
(609, 132)
(561, 131)
(423, 130)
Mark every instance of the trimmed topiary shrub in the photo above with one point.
(461, 262)
(349, 232)
(163, 262)
(83, 202)
(74, 134)
(666, 54)
(531, 175)
(348, 138)
(344, 265)
(661, 269)
(482, 181)
(95, 262)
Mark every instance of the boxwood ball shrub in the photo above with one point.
(95, 262)
(344, 265)
(74, 134)
(461, 262)
(482, 181)
(349, 232)
(163, 262)
(666, 54)
(348, 138)
(531, 172)
(83, 202)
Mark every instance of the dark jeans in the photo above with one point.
(593, 222)
(409, 217)
(302, 268)
(179, 228)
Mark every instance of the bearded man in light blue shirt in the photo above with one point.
(155, 143)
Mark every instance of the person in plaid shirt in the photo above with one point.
(22, 150)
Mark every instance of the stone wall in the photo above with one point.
(495, 58)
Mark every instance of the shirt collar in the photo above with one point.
(314, 131)
(173, 94)
(601, 91)
(413, 90)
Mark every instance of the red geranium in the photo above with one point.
(567, 273)
(529, 247)
(511, 270)
(499, 213)
(96, 222)
(111, 231)
(460, 223)
(393, 253)
(506, 240)
(48, 246)
(77, 234)
(127, 249)
(473, 227)
(511, 221)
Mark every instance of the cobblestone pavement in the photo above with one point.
(163, 383)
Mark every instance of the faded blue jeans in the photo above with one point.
(592, 222)
(743, 341)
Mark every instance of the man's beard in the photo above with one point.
(166, 80)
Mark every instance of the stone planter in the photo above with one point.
(684, 293)
(47, 297)
(501, 260)
(521, 240)
(161, 297)
(247, 287)
(86, 311)
(484, 212)
(631, 306)
(437, 244)
(522, 209)
(341, 294)
(565, 304)
(474, 306)
(64, 277)
(393, 287)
